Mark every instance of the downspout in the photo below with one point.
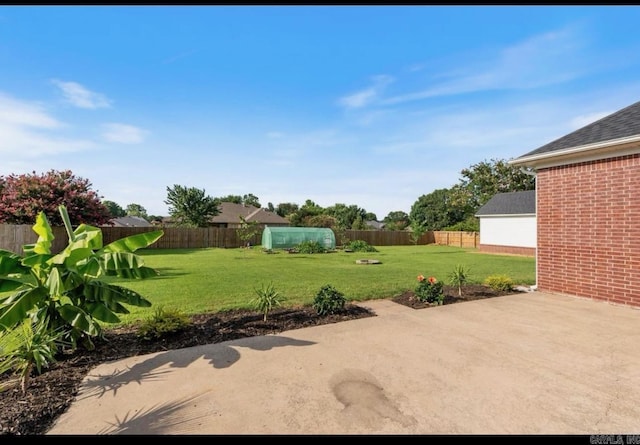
(535, 178)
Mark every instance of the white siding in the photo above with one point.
(508, 230)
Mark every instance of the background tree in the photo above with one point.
(190, 206)
(285, 209)
(23, 197)
(481, 181)
(347, 215)
(136, 210)
(236, 199)
(114, 209)
(301, 216)
(435, 211)
(270, 207)
(248, 230)
(251, 200)
(396, 220)
(323, 220)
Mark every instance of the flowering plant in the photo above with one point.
(429, 290)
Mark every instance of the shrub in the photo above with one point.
(267, 298)
(310, 246)
(499, 282)
(360, 246)
(429, 290)
(458, 277)
(328, 300)
(161, 323)
(28, 345)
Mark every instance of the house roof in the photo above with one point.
(130, 221)
(620, 129)
(231, 212)
(510, 203)
(375, 225)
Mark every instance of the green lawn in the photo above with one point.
(205, 280)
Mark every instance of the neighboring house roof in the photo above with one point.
(375, 225)
(231, 213)
(130, 221)
(510, 203)
(608, 136)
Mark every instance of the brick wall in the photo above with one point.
(511, 250)
(589, 229)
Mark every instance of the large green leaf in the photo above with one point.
(36, 260)
(134, 242)
(90, 267)
(90, 234)
(110, 294)
(45, 237)
(125, 265)
(100, 312)
(16, 308)
(12, 273)
(140, 273)
(10, 263)
(79, 319)
(54, 283)
(76, 251)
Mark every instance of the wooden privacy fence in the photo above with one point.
(13, 237)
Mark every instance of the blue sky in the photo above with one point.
(367, 105)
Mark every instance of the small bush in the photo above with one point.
(28, 346)
(499, 282)
(310, 246)
(429, 290)
(161, 323)
(328, 300)
(360, 246)
(267, 298)
(458, 277)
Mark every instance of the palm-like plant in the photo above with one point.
(67, 289)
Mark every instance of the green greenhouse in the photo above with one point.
(289, 237)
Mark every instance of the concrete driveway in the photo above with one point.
(531, 363)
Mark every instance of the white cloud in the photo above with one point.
(275, 135)
(367, 96)
(25, 132)
(122, 133)
(79, 96)
(21, 113)
(544, 59)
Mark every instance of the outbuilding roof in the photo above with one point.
(510, 203)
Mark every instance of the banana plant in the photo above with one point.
(68, 288)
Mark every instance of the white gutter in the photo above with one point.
(575, 151)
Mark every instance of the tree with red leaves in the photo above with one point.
(22, 197)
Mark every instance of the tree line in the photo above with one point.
(23, 196)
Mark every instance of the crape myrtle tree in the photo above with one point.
(190, 206)
(23, 197)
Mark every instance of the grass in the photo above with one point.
(209, 280)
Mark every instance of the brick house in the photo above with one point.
(508, 223)
(588, 210)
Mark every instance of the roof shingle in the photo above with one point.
(510, 203)
(621, 124)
